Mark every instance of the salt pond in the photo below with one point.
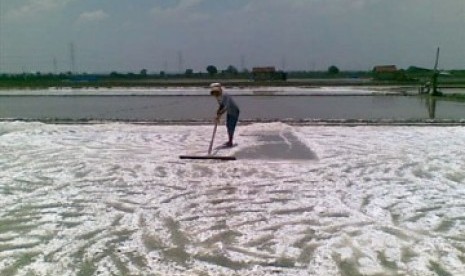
(194, 104)
(114, 199)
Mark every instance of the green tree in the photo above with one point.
(212, 70)
(333, 70)
(189, 72)
(232, 70)
(113, 74)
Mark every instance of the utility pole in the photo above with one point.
(242, 63)
(434, 80)
(165, 66)
(1, 40)
(72, 54)
(283, 63)
(55, 67)
(180, 62)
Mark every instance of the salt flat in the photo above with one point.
(114, 199)
(203, 91)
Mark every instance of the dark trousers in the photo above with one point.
(231, 122)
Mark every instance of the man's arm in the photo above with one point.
(222, 108)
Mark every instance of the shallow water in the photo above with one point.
(185, 108)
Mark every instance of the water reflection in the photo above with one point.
(431, 105)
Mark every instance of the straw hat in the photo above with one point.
(216, 87)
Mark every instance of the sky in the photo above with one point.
(175, 35)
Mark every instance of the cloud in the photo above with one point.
(306, 6)
(185, 11)
(92, 16)
(33, 8)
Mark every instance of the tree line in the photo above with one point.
(412, 73)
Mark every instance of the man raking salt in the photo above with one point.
(228, 106)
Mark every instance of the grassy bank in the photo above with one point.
(40, 83)
(37, 81)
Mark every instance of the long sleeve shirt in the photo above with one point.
(227, 105)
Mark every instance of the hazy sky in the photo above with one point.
(129, 35)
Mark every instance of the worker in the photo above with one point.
(228, 106)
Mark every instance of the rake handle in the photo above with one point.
(213, 138)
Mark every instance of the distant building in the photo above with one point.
(267, 73)
(385, 69)
(388, 72)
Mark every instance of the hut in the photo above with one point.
(388, 72)
(267, 73)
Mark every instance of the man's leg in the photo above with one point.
(231, 122)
